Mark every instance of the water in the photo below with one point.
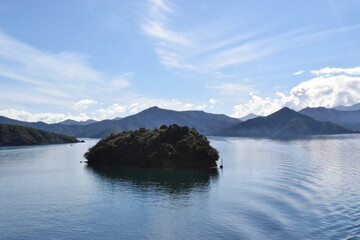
(301, 189)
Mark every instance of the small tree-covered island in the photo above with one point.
(167, 147)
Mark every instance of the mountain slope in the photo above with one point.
(247, 117)
(13, 135)
(283, 123)
(150, 118)
(354, 107)
(153, 117)
(56, 128)
(347, 119)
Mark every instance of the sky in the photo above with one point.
(93, 59)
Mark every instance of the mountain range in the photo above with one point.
(73, 122)
(284, 123)
(347, 119)
(204, 123)
(354, 107)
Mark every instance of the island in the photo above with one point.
(13, 135)
(165, 147)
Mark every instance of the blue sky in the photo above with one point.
(103, 59)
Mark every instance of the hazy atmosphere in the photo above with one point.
(100, 60)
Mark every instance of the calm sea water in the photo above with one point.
(300, 189)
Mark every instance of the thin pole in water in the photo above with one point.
(221, 165)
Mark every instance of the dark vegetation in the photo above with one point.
(284, 123)
(12, 135)
(167, 147)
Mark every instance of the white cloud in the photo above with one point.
(230, 88)
(156, 30)
(133, 108)
(257, 105)
(321, 91)
(171, 59)
(112, 111)
(136, 104)
(83, 104)
(299, 72)
(201, 107)
(331, 71)
(44, 117)
(212, 101)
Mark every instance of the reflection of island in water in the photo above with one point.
(173, 181)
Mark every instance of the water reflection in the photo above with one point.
(172, 181)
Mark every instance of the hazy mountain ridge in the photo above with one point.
(150, 118)
(249, 116)
(154, 117)
(14, 135)
(282, 124)
(73, 122)
(347, 119)
(354, 107)
(55, 128)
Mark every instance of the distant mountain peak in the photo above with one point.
(153, 108)
(248, 116)
(73, 122)
(285, 112)
(285, 123)
(286, 109)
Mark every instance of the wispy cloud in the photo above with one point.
(83, 104)
(222, 75)
(299, 72)
(231, 89)
(212, 101)
(330, 71)
(120, 82)
(192, 49)
(59, 78)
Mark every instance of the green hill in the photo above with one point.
(167, 147)
(13, 135)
